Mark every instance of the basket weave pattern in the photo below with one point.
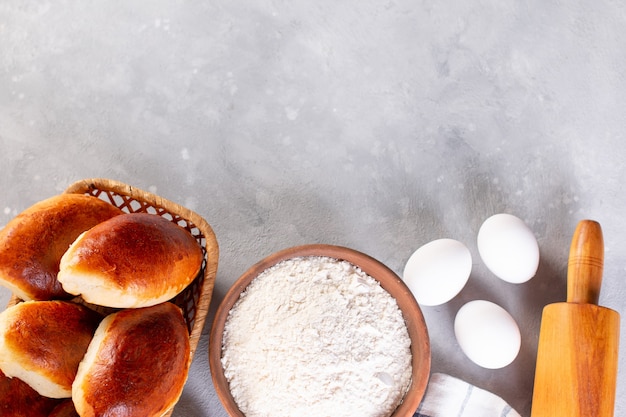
(196, 298)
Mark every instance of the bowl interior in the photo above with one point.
(416, 326)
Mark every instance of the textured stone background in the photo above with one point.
(378, 125)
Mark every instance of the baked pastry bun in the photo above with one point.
(32, 243)
(136, 364)
(129, 261)
(42, 343)
(64, 409)
(18, 399)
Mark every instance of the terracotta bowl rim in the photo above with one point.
(389, 280)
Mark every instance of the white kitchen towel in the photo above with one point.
(447, 396)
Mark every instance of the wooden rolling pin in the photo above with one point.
(577, 356)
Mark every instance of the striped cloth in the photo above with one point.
(447, 396)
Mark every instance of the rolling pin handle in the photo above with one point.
(585, 264)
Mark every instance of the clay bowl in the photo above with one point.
(420, 344)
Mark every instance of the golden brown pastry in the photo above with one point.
(32, 243)
(42, 343)
(18, 399)
(136, 364)
(132, 260)
(64, 409)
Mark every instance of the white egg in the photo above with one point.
(487, 334)
(508, 248)
(438, 271)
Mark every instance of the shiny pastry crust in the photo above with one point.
(42, 343)
(18, 399)
(136, 364)
(32, 243)
(132, 260)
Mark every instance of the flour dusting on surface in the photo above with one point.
(316, 336)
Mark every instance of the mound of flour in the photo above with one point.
(316, 336)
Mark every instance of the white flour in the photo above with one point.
(318, 337)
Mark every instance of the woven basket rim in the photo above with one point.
(86, 186)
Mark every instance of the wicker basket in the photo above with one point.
(196, 298)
